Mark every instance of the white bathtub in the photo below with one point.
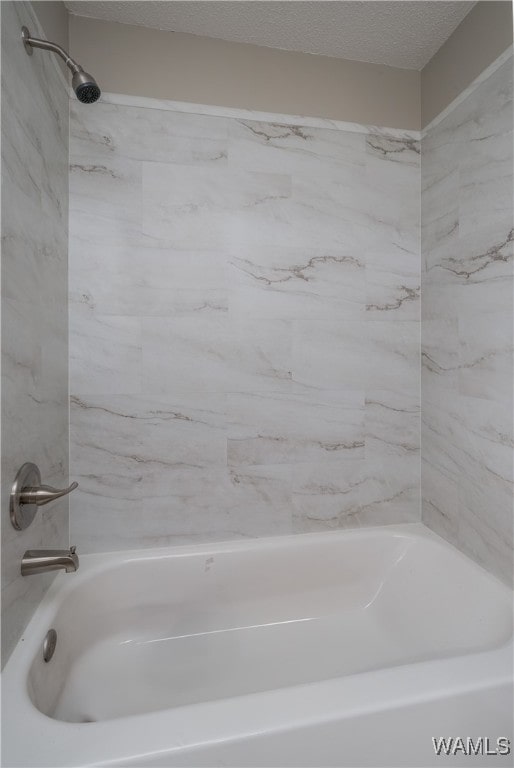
(340, 649)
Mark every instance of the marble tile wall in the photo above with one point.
(34, 303)
(244, 327)
(467, 324)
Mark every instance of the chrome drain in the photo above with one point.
(49, 644)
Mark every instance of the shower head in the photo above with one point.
(85, 86)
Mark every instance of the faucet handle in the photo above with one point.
(43, 494)
(28, 493)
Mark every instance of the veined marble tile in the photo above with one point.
(392, 198)
(467, 377)
(378, 492)
(209, 501)
(351, 212)
(206, 208)
(326, 495)
(390, 490)
(34, 151)
(103, 278)
(439, 158)
(468, 440)
(440, 501)
(484, 434)
(136, 133)
(331, 355)
(394, 148)
(112, 181)
(440, 210)
(105, 200)
(186, 355)
(351, 355)
(33, 247)
(483, 256)
(497, 298)
(175, 520)
(120, 444)
(439, 355)
(22, 163)
(293, 149)
(21, 348)
(486, 356)
(34, 419)
(246, 115)
(241, 268)
(187, 503)
(151, 282)
(296, 283)
(259, 500)
(392, 422)
(487, 494)
(467, 306)
(286, 429)
(438, 450)
(392, 284)
(212, 354)
(262, 354)
(488, 540)
(486, 174)
(394, 357)
(438, 302)
(105, 353)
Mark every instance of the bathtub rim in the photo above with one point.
(96, 562)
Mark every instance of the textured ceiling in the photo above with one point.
(400, 34)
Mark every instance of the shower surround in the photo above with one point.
(34, 304)
(467, 322)
(244, 325)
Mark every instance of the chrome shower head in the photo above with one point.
(85, 86)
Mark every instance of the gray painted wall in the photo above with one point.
(230, 74)
(138, 61)
(147, 62)
(53, 17)
(34, 304)
(483, 35)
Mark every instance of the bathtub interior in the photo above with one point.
(154, 632)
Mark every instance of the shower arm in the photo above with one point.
(85, 86)
(35, 42)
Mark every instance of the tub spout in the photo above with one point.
(43, 560)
